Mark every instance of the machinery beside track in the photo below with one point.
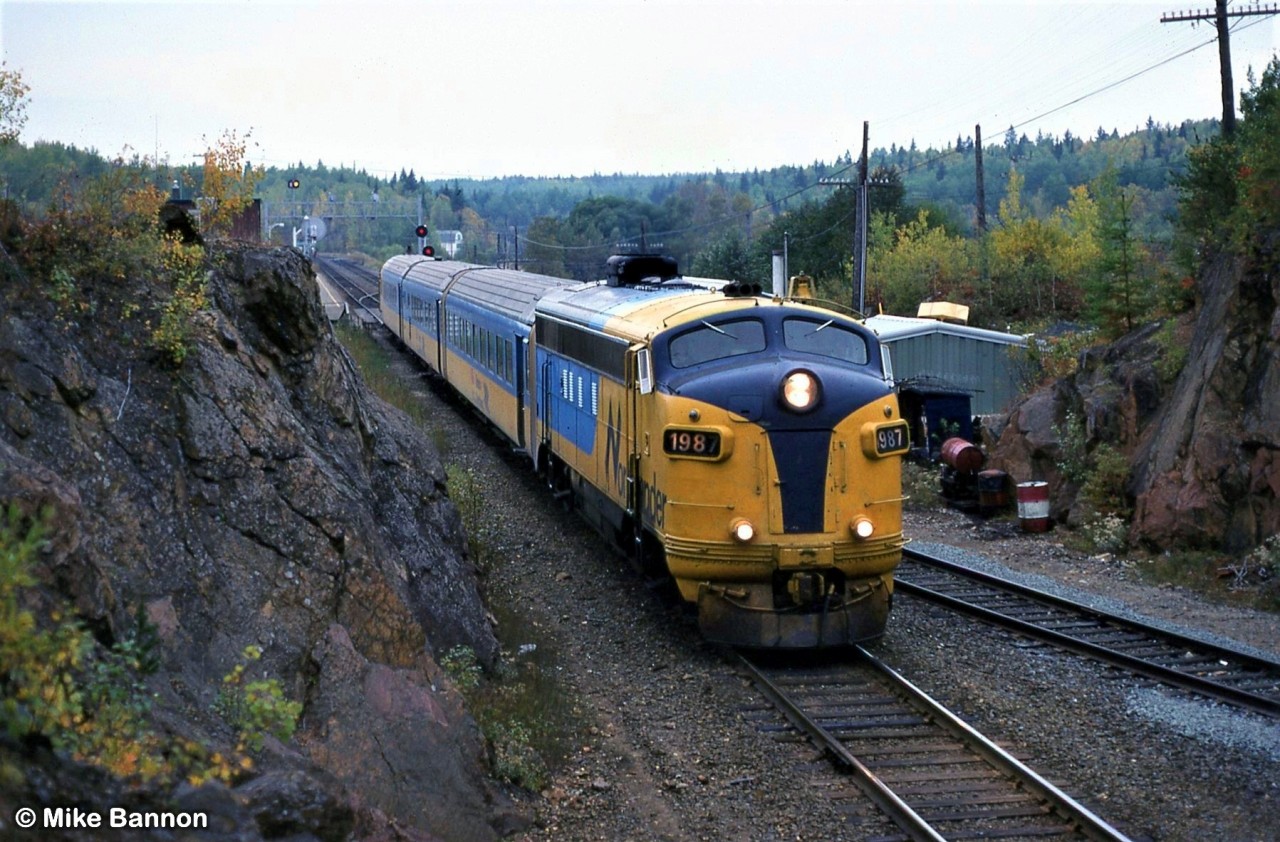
(1175, 659)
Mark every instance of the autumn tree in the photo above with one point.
(1024, 271)
(13, 104)
(229, 182)
(923, 262)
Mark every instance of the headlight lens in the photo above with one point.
(742, 530)
(800, 391)
(862, 528)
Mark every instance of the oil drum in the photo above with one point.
(993, 494)
(962, 455)
(1033, 506)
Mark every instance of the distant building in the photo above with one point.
(450, 241)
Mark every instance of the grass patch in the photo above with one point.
(519, 704)
(1252, 581)
(379, 373)
(920, 485)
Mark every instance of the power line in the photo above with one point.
(1220, 16)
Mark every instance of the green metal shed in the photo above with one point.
(931, 356)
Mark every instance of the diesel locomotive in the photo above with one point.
(747, 445)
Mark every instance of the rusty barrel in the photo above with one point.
(993, 493)
(1033, 506)
(962, 455)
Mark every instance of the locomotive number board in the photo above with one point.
(885, 439)
(695, 443)
(891, 439)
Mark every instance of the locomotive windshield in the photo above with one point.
(708, 342)
(825, 338)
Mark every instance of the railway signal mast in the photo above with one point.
(1219, 16)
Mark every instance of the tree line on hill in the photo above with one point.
(1078, 228)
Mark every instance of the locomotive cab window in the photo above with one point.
(826, 339)
(709, 342)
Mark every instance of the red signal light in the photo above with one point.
(421, 230)
(429, 251)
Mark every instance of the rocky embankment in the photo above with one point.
(255, 495)
(1194, 409)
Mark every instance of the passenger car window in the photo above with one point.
(825, 338)
(709, 342)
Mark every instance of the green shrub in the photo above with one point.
(514, 758)
(462, 666)
(93, 703)
(920, 485)
(255, 708)
(1073, 453)
(1107, 473)
(1173, 351)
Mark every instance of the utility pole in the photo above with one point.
(860, 224)
(982, 185)
(860, 233)
(1219, 16)
(982, 208)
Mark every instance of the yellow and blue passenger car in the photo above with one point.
(748, 446)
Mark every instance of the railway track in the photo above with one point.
(358, 284)
(932, 774)
(1178, 660)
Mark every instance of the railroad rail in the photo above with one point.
(358, 284)
(934, 775)
(1175, 659)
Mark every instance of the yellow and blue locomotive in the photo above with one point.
(747, 445)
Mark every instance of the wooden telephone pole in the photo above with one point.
(860, 222)
(1219, 16)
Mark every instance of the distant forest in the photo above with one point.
(1049, 201)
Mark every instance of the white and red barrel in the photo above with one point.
(1033, 506)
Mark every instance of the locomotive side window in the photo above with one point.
(710, 342)
(825, 338)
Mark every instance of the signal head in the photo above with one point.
(420, 231)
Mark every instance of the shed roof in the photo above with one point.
(892, 328)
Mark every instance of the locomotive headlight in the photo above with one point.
(800, 391)
(742, 530)
(862, 528)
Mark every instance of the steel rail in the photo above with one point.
(903, 816)
(1258, 702)
(1087, 823)
(355, 283)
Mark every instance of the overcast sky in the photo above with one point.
(500, 87)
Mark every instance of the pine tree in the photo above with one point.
(1117, 295)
